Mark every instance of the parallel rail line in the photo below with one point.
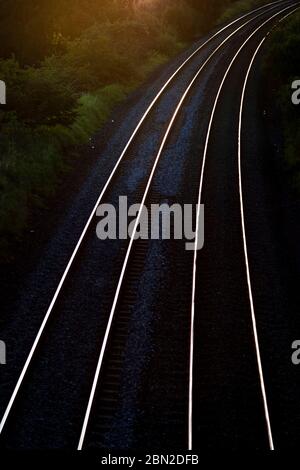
(192, 338)
(128, 253)
(144, 195)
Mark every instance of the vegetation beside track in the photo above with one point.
(281, 69)
(66, 64)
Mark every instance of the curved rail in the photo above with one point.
(191, 372)
(124, 267)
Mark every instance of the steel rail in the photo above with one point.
(118, 290)
(91, 217)
(249, 284)
(192, 336)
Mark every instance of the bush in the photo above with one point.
(93, 110)
(38, 95)
(66, 64)
(239, 7)
(281, 68)
(182, 19)
(29, 165)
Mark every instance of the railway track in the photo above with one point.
(260, 373)
(122, 295)
(255, 333)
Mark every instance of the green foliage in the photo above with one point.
(30, 28)
(38, 95)
(29, 164)
(284, 48)
(238, 7)
(281, 67)
(93, 110)
(66, 64)
(181, 17)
